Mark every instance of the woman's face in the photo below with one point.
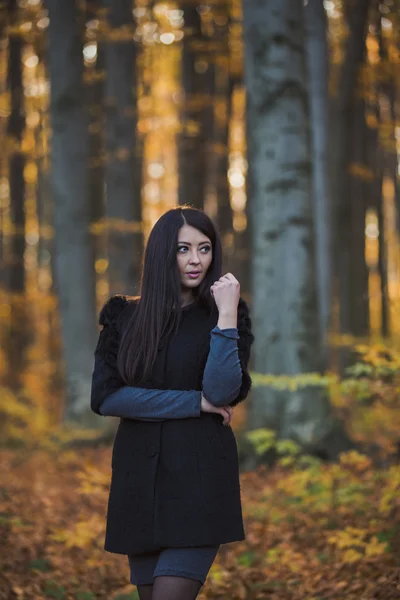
(194, 255)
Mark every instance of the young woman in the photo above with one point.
(172, 363)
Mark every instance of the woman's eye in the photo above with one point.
(206, 248)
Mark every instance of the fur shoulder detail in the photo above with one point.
(114, 307)
(244, 321)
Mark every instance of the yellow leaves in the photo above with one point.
(83, 535)
(375, 547)
(92, 480)
(390, 490)
(354, 460)
(379, 356)
(292, 382)
(351, 555)
(216, 573)
(356, 544)
(351, 536)
(11, 405)
(285, 555)
(262, 439)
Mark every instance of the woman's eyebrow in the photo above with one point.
(189, 244)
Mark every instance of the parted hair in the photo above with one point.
(158, 311)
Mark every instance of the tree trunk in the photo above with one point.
(217, 183)
(95, 76)
(18, 325)
(197, 83)
(318, 68)
(3, 158)
(123, 203)
(393, 162)
(382, 261)
(356, 288)
(341, 120)
(284, 308)
(222, 189)
(73, 260)
(379, 154)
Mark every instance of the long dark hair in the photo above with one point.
(158, 311)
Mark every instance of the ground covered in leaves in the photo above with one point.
(314, 530)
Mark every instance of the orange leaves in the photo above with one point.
(312, 531)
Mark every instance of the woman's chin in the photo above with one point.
(190, 285)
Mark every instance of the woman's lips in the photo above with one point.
(193, 275)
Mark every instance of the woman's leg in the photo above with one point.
(172, 587)
(181, 572)
(142, 568)
(145, 592)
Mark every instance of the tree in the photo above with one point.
(318, 75)
(17, 334)
(94, 80)
(217, 158)
(284, 309)
(73, 252)
(342, 115)
(197, 91)
(123, 204)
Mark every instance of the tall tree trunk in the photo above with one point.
(3, 156)
(379, 155)
(217, 183)
(356, 289)
(197, 87)
(95, 76)
(382, 260)
(73, 260)
(221, 166)
(285, 315)
(18, 329)
(123, 204)
(318, 73)
(393, 162)
(341, 120)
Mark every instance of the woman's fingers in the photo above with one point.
(228, 277)
(227, 412)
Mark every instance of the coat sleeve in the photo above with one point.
(105, 377)
(226, 379)
(245, 341)
(110, 396)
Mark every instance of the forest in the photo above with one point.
(281, 120)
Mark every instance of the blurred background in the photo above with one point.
(280, 119)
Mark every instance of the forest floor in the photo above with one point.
(317, 533)
(314, 530)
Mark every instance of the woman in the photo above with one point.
(170, 363)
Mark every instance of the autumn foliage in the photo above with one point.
(314, 530)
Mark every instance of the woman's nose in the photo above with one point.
(194, 258)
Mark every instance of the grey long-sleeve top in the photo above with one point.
(222, 379)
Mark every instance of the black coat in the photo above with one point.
(174, 483)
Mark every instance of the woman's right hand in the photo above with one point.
(225, 411)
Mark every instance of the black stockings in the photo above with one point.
(145, 592)
(168, 587)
